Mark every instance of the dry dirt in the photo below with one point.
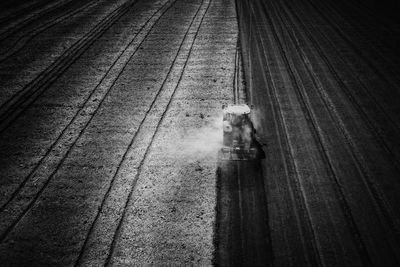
(110, 133)
(110, 127)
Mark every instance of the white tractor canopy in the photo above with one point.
(237, 109)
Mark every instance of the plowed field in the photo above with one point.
(111, 125)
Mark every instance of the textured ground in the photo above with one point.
(110, 129)
(324, 79)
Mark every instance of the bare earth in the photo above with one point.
(110, 127)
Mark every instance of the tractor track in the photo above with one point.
(368, 11)
(377, 194)
(326, 86)
(19, 102)
(236, 74)
(124, 157)
(363, 55)
(84, 109)
(88, 228)
(20, 43)
(295, 190)
(307, 230)
(289, 45)
(310, 117)
(129, 198)
(381, 108)
(380, 113)
(22, 11)
(324, 152)
(379, 45)
(103, 148)
(242, 235)
(295, 193)
(298, 87)
(23, 23)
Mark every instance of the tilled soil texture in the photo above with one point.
(110, 129)
(324, 79)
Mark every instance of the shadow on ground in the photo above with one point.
(242, 231)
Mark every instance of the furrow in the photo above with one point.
(205, 6)
(13, 108)
(47, 167)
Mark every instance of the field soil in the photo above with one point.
(110, 131)
(111, 127)
(323, 77)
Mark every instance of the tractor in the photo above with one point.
(239, 141)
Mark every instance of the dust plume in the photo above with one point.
(201, 142)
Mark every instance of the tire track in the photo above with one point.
(310, 247)
(323, 150)
(21, 11)
(361, 54)
(75, 128)
(381, 108)
(21, 24)
(392, 155)
(82, 110)
(19, 102)
(362, 27)
(125, 157)
(297, 86)
(366, 12)
(378, 195)
(377, 45)
(297, 189)
(242, 230)
(20, 43)
(235, 84)
(369, 12)
(117, 232)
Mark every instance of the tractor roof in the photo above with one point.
(237, 109)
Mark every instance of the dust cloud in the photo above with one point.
(199, 142)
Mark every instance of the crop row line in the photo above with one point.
(284, 139)
(364, 56)
(21, 42)
(256, 52)
(42, 13)
(318, 136)
(19, 102)
(75, 128)
(313, 125)
(117, 232)
(381, 200)
(25, 9)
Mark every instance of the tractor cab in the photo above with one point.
(236, 114)
(238, 133)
